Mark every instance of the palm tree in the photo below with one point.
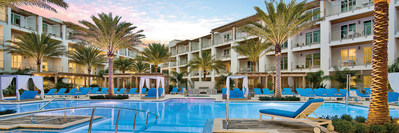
(316, 78)
(140, 66)
(46, 4)
(340, 76)
(36, 46)
(394, 67)
(110, 34)
(87, 56)
(206, 62)
(282, 22)
(378, 109)
(178, 78)
(123, 64)
(156, 54)
(252, 50)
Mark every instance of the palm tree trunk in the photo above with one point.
(156, 68)
(378, 109)
(110, 75)
(89, 72)
(254, 66)
(38, 65)
(277, 89)
(204, 75)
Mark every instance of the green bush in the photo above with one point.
(377, 129)
(347, 118)
(360, 128)
(343, 126)
(360, 119)
(8, 111)
(94, 85)
(108, 97)
(392, 128)
(289, 98)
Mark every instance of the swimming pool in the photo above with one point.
(176, 115)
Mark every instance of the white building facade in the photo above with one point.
(343, 39)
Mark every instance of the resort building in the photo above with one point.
(342, 39)
(15, 22)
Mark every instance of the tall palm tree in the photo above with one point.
(140, 66)
(36, 46)
(87, 56)
(281, 22)
(378, 109)
(252, 50)
(178, 78)
(46, 4)
(316, 78)
(156, 54)
(109, 33)
(206, 62)
(123, 64)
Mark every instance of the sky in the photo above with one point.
(161, 20)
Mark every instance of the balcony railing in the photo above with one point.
(206, 45)
(223, 72)
(182, 51)
(183, 62)
(351, 61)
(224, 57)
(33, 67)
(221, 41)
(302, 43)
(195, 73)
(195, 47)
(339, 7)
(1, 64)
(172, 64)
(240, 35)
(3, 16)
(246, 69)
(310, 64)
(75, 70)
(345, 35)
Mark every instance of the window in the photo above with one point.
(16, 61)
(316, 60)
(284, 63)
(309, 38)
(347, 5)
(285, 45)
(316, 13)
(348, 57)
(367, 27)
(313, 60)
(44, 66)
(45, 27)
(316, 36)
(308, 61)
(348, 30)
(226, 53)
(366, 81)
(227, 37)
(250, 65)
(16, 19)
(367, 55)
(344, 31)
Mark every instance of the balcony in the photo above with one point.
(353, 62)
(240, 35)
(306, 65)
(75, 70)
(194, 46)
(195, 73)
(122, 52)
(224, 57)
(172, 64)
(339, 35)
(222, 41)
(28, 24)
(343, 6)
(183, 63)
(3, 16)
(1, 40)
(223, 72)
(33, 67)
(182, 51)
(165, 65)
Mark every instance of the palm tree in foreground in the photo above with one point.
(109, 33)
(87, 56)
(156, 54)
(36, 46)
(206, 62)
(140, 67)
(123, 64)
(46, 4)
(378, 109)
(282, 22)
(252, 50)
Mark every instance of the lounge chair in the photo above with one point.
(116, 90)
(236, 89)
(303, 92)
(343, 92)
(70, 93)
(132, 91)
(287, 91)
(144, 91)
(367, 90)
(320, 93)
(121, 91)
(152, 93)
(104, 90)
(302, 114)
(333, 93)
(182, 90)
(258, 91)
(60, 92)
(94, 90)
(355, 93)
(393, 97)
(26, 95)
(266, 91)
(174, 90)
(51, 92)
(236, 95)
(81, 92)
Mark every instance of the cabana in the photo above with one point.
(393, 79)
(146, 80)
(21, 83)
(244, 85)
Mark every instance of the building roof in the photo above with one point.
(236, 23)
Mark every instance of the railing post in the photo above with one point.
(65, 117)
(134, 123)
(117, 121)
(91, 120)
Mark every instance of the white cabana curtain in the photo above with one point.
(38, 82)
(22, 82)
(147, 79)
(393, 79)
(244, 85)
(4, 83)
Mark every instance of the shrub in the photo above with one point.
(8, 111)
(343, 126)
(289, 98)
(347, 118)
(360, 119)
(392, 128)
(108, 97)
(360, 128)
(94, 85)
(377, 129)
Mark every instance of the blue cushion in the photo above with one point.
(257, 91)
(51, 92)
(224, 90)
(278, 112)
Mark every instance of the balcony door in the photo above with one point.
(348, 56)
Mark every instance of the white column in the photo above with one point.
(189, 56)
(290, 55)
(7, 36)
(64, 59)
(325, 49)
(392, 47)
(200, 52)
(39, 24)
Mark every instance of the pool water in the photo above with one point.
(175, 115)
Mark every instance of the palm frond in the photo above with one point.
(39, 3)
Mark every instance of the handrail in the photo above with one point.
(65, 117)
(92, 115)
(227, 113)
